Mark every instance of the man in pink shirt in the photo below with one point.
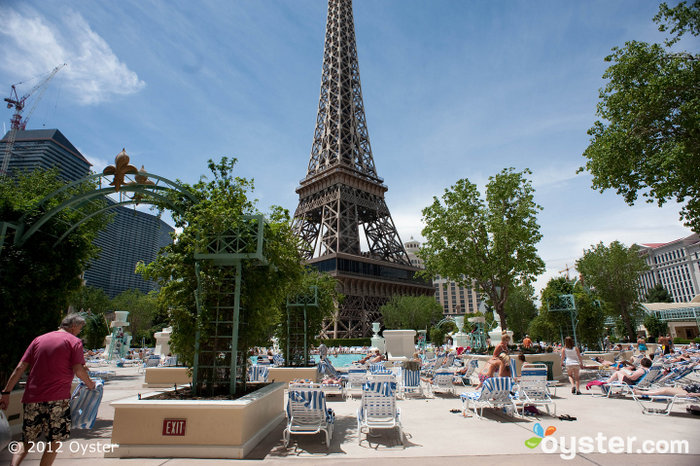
(53, 358)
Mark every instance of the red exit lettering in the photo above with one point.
(174, 426)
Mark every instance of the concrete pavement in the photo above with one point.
(435, 435)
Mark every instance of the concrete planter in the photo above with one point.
(195, 428)
(166, 376)
(400, 344)
(287, 374)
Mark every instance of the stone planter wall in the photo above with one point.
(287, 374)
(166, 376)
(212, 429)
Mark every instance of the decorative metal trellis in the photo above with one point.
(297, 351)
(566, 303)
(217, 361)
(130, 185)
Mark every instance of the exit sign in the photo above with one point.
(174, 427)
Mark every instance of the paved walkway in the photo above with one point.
(434, 435)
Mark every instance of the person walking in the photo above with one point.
(571, 359)
(52, 359)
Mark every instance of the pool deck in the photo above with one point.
(434, 434)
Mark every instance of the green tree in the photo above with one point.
(37, 279)
(328, 297)
(658, 294)
(655, 326)
(521, 309)
(649, 137)
(542, 328)
(142, 310)
(613, 273)
(411, 312)
(93, 303)
(437, 334)
(492, 242)
(220, 206)
(590, 313)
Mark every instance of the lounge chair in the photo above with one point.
(378, 409)
(443, 381)
(278, 360)
(151, 361)
(356, 379)
(325, 367)
(307, 413)
(495, 393)
(646, 402)
(532, 388)
(379, 368)
(622, 388)
(410, 383)
(258, 373)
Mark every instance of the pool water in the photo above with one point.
(340, 360)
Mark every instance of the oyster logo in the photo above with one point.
(540, 433)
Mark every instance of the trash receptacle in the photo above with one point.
(550, 369)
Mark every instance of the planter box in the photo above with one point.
(287, 374)
(166, 376)
(195, 428)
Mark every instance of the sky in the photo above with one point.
(452, 89)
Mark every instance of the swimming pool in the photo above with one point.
(340, 360)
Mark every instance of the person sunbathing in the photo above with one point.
(329, 380)
(631, 378)
(686, 390)
(366, 359)
(491, 367)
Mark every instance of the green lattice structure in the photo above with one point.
(217, 361)
(566, 303)
(297, 351)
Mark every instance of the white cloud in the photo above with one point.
(34, 45)
(98, 164)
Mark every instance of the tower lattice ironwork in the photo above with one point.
(342, 194)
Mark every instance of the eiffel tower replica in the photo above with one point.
(342, 195)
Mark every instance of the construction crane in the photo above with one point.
(566, 269)
(17, 123)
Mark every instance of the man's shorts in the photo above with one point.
(49, 417)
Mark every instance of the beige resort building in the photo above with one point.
(454, 298)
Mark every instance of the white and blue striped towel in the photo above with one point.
(258, 373)
(410, 378)
(314, 400)
(84, 404)
(383, 388)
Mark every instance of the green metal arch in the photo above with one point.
(149, 191)
(109, 207)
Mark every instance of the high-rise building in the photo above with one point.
(133, 236)
(454, 298)
(342, 195)
(675, 265)
(45, 148)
